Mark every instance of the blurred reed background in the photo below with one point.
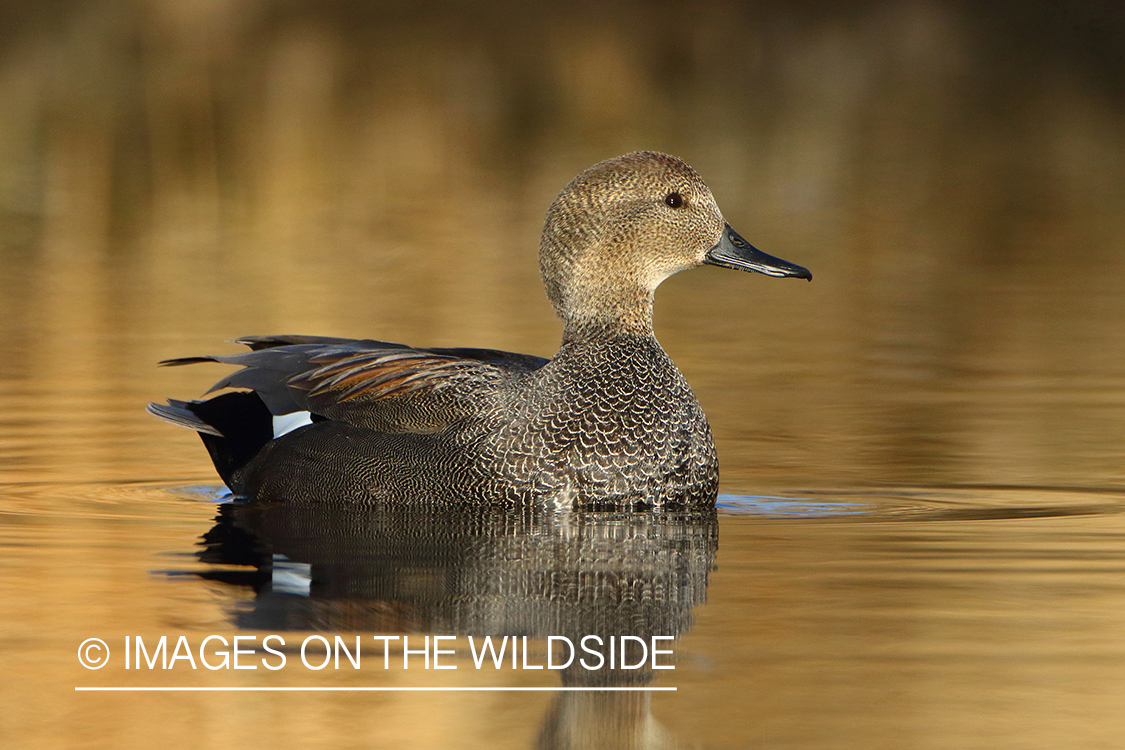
(175, 174)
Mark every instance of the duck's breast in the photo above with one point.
(607, 419)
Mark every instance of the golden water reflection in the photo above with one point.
(174, 175)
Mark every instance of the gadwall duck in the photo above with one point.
(609, 420)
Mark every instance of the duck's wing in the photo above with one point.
(375, 384)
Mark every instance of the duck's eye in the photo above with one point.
(675, 200)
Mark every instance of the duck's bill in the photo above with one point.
(735, 252)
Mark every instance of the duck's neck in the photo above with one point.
(598, 319)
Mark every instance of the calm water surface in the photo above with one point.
(920, 541)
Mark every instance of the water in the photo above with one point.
(919, 541)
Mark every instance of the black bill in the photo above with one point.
(735, 252)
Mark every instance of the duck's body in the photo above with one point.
(608, 420)
(605, 421)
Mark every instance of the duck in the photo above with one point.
(609, 420)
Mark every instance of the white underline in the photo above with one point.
(372, 689)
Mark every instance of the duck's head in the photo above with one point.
(623, 226)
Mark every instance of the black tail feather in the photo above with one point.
(246, 426)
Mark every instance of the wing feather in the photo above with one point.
(377, 384)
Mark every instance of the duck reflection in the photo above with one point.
(484, 571)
